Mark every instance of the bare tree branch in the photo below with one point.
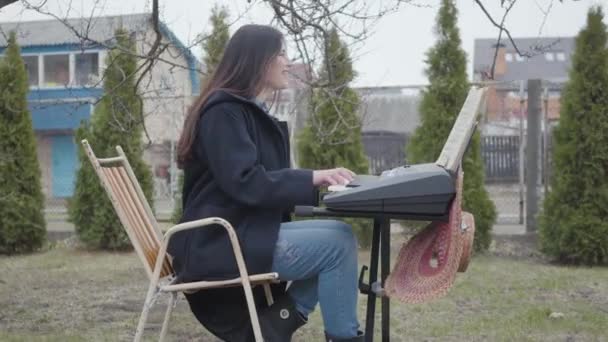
(85, 39)
(545, 15)
(534, 49)
(501, 26)
(149, 56)
(498, 41)
(307, 23)
(149, 62)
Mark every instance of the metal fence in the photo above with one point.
(384, 150)
(501, 158)
(500, 155)
(500, 152)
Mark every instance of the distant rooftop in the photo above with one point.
(551, 58)
(389, 109)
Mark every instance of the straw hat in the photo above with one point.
(427, 264)
(467, 226)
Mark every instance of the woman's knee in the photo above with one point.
(343, 234)
(339, 226)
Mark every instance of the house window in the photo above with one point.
(549, 56)
(519, 57)
(561, 56)
(31, 65)
(56, 70)
(87, 69)
(509, 57)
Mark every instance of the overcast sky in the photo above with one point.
(393, 55)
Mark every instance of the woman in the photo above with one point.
(235, 158)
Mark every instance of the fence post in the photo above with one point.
(522, 101)
(546, 141)
(532, 155)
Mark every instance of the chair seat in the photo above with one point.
(198, 285)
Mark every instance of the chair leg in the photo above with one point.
(253, 314)
(150, 297)
(268, 294)
(170, 306)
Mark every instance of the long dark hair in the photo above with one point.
(241, 71)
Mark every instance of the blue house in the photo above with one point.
(65, 62)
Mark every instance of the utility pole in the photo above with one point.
(532, 152)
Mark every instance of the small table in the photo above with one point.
(380, 255)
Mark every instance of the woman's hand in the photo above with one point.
(337, 176)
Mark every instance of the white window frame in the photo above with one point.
(100, 54)
(550, 56)
(519, 57)
(508, 57)
(39, 62)
(560, 56)
(55, 53)
(72, 66)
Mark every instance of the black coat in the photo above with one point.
(240, 172)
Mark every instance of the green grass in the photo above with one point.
(66, 294)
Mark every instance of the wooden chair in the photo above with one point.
(150, 243)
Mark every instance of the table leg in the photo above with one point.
(385, 243)
(373, 276)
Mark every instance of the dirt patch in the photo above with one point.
(517, 247)
(127, 305)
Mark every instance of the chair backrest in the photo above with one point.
(131, 206)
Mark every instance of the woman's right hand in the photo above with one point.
(337, 176)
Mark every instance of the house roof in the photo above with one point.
(55, 32)
(98, 29)
(534, 67)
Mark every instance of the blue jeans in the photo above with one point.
(320, 257)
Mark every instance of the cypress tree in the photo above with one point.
(574, 223)
(115, 121)
(440, 105)
(332, 135)
(214, 44)
(22, 224)
(213, 49)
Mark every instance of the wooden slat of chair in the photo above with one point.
(143, 207)
(146, 238)
(147, 223)
(139, 191)
(146, 241)
(131, 222)
(128, 220)
(99, 165)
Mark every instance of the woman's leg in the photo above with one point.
(320, 257)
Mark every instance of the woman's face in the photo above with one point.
(277, 77)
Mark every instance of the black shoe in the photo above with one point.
(359, 338)
(280, 320)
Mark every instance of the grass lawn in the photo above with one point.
(68, 294)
